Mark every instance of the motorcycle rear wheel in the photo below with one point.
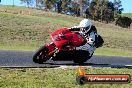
(81, 56)
(41, 55)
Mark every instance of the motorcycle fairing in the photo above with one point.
(64, 35)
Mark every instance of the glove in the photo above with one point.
(90, 41)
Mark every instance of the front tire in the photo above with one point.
(41, 55)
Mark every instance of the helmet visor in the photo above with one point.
(84, 29)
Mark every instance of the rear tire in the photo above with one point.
(81, 56)
(41, 55)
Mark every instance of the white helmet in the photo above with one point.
(86, 25)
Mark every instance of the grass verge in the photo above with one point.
(54, 78)
(113, 52)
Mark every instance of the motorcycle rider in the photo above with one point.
(89, 32)
(71, 46)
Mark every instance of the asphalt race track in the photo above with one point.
(24, 59)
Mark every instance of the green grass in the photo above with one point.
(113, 52)
(28, 29)
(55, 78)
(127, 14)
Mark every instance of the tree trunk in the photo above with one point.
(28, 4)
(81, 8)
(13, 3)
(36, 3)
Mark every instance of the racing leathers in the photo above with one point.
(90, 36)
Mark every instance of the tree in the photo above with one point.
(117, 8)
(83, 4)
(13, 2)
(92, 8)
(81, 7)
(124, 22)
(45, 4)
(40, 4)
(75, 8)
(58, 6)
(49, 4)
(65, 5)
(28, 2)
(101, 10)
(36, 1)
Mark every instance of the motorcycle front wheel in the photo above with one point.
(41, 55)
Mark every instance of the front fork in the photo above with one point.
(52, 49)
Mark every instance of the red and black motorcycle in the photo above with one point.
(63, 47)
